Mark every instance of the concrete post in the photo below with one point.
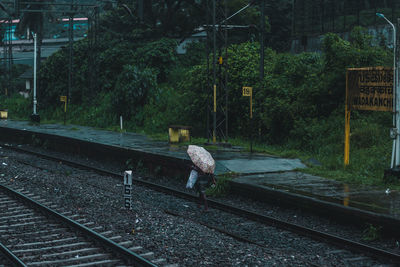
(397, 83)
(34, 71)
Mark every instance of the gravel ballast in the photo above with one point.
(182, 239)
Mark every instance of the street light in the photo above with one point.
(396, 103)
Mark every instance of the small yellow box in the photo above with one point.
(178, 133)
(3, 114)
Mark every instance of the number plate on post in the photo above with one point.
(128, 190)
(247, 91)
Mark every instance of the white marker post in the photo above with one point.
(34, 72)
(128, 190)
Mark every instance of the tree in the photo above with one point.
(280, 17)
(162, 18)
(132, 88)
(34, 21)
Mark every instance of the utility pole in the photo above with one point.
(35, 117)
(140, 10)
(226, 68)
(34, 72)
(9, 59)
(208, 86)
(16, 8)
(396, 81)
(214, 74)
(7, 48)
(262, 38)
(71, 51)
(217, 11)
(395, 133)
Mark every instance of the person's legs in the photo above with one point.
(205, 202)
(200, 200)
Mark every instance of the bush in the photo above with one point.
(130, 95)
(18, 106)
(163, 108)
(160, 55)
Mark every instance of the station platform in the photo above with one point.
(257, 175)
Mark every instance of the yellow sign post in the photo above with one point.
(248, 91)
(63, 98)
(366, 89)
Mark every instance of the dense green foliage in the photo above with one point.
(297, 89)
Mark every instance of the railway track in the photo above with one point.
(317, 235)
(33, 234)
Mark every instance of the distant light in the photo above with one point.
(380, 15)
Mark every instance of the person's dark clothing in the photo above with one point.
(203, 181)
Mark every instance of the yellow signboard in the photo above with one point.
(366, 89)
(63, 98)
(370, 88)
(247, 91)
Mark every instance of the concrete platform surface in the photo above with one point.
(259, 170)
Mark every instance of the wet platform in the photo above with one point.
(257, 174)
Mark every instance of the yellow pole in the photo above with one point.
(346, 198)
(251, 120)
(251, 105)
(347, 127)
(347, 138)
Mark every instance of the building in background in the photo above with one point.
(311, 19)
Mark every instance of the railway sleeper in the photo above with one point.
(99, 256)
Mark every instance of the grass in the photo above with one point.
(222, 186)
(363, 168)
(371, 233)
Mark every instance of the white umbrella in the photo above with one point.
(201, 158)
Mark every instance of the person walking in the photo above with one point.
(202, 173)
(203, 181)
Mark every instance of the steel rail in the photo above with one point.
(11, 256)
(128, 255)
(55, 4)
(301, 230)
(52, 11)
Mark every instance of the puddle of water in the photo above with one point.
(374, 202)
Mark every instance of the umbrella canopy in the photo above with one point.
(201, 158)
